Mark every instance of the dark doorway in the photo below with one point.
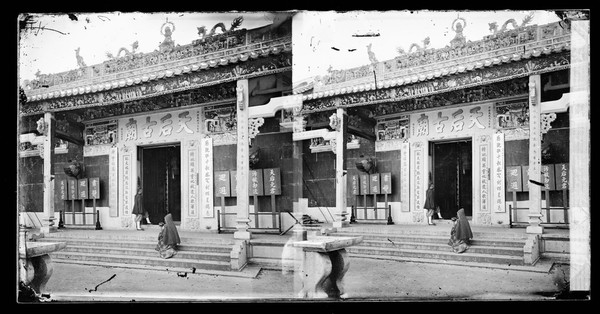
(161, 181)
(452, 169)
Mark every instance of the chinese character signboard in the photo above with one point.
(272, 181)
(255, 184)
(451, 121)
(206, 177)
(484, 176)
(72, 189)
(513, 179)
(94, 188)
(498, 173)
(193, 176)
(525, 174)
(354, 185)
(404, 173)
(386, 183)
(222, 184)
(63, 190)
(374, 183)
(160, 126)
(548, 177)
(364, 184)
(82, 188)
(562, 176)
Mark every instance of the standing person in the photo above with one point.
(430, 205)
(461, 234)
(138, 210)
(168, 238)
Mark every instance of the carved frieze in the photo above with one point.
(180, 83)
(469, 80)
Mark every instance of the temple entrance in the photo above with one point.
(161, 181)
(452, 176)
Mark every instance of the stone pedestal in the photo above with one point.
(35, 266)
(323, 266)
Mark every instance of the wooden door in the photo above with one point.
(161, 182)
(452, 177)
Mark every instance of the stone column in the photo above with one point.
(535, 157)
(579, 157)
(48, 156)
(340, 170)
(243, 167)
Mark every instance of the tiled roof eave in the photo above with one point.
(431, 75)
(165, 70)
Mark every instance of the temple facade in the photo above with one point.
(215, 134)
(486, 121)
(165, 121)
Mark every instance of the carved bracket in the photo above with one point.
(253, 125)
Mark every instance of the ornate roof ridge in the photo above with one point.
(227, 45)
(428, 63)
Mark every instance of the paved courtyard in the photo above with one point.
(367, 279)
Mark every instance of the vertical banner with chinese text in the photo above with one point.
(404, 177)
(193, 160)
(113, 182)
(206, 177)
(499, 198)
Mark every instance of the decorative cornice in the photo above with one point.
(184, 82)
(141, 68)
(428, 64)
(485, 76)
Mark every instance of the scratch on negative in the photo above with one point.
(109, 279)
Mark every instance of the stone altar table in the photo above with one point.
(323, 266)
(35, 263)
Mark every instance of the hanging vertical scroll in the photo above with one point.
(206, 186)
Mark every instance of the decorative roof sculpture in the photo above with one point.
(168, 43)
(459, 39)
(234, 24)
(494, 26)
(372, 57)
(80, 62)
(134, 47)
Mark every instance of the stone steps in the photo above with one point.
(428, 238)
(466, 257)
(474, 248)
(487, 248)
(196, 247)
(147, 252)
(137, 249)
(65, 256)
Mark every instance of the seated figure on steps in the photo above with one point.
(168, 238)
(461, 234)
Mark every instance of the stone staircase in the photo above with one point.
(137, 250)
(431, 245)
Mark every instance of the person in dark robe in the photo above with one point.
(168, 238)
(461, 234)
(430, 205)
(138, 210)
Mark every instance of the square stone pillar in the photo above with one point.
(342, 219)
(535, 157)
(243, 167)
(579, 157)
(48, 224)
